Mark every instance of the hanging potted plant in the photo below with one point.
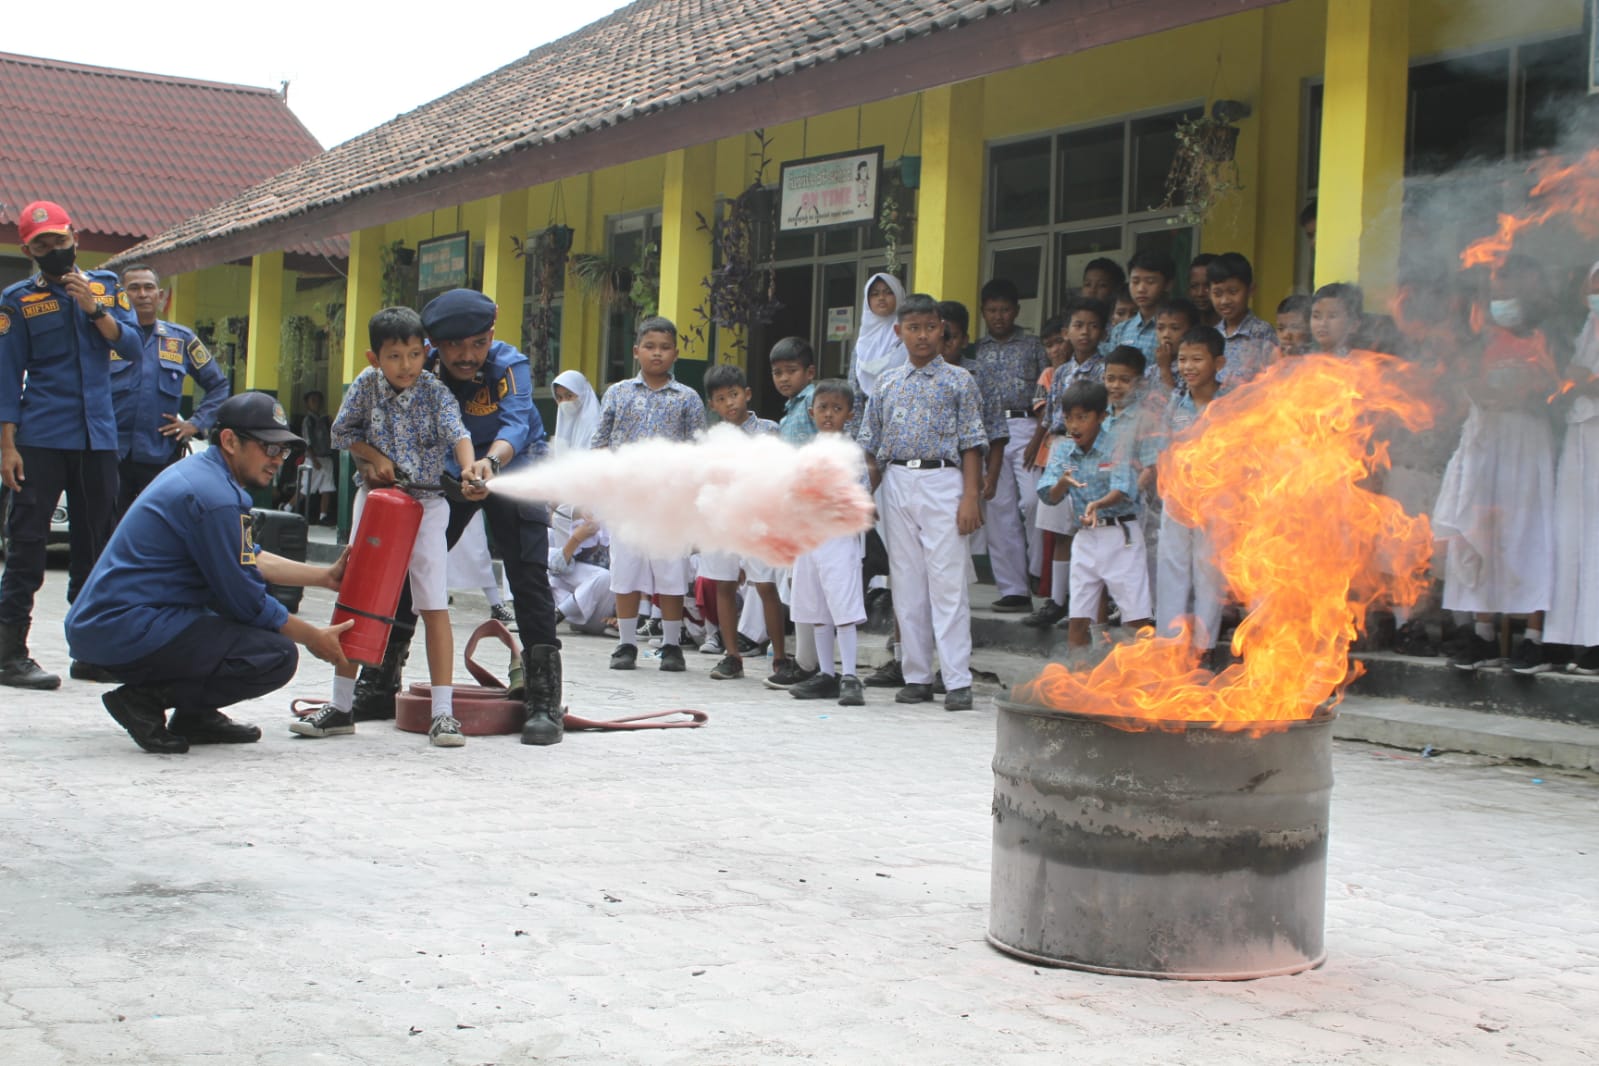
(1204, 171)
(739, 289)
(891, 220)
(547, 251)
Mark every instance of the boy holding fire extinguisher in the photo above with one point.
(400, 423)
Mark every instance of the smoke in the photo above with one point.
(727, 492)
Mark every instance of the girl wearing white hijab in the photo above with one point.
(1574, 614)
(577, 412)
(878, 348)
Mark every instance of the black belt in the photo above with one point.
(1114, 520)
(1017, 412)
(924, 464)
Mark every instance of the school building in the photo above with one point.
(963, 139)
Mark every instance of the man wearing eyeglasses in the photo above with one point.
(177, 609)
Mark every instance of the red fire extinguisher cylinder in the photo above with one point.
(375, 573)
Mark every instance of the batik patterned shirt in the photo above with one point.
(1101, 469)
(416, 429)
(1006, 373)
(1251, 348)
(929, 412)
(797, 426)
(631, 411)
(1068, 374)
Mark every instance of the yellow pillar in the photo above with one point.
(1362, 176)
(949, 212)
(503, 271)
(183, 292)
(363, 298)
(690, 191)
(264, 345)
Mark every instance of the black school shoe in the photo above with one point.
(212, 727)
(958, 699)
(1587, 662)
(625, 657)
(889, 675)
(849, 692)
(142, 711)
(672, 659)
(1478, 654)
(1529, 658)
(914, 693)
(820, 687)
(1015, 604)
(786, 673)
(1046, 616)
(729, 669)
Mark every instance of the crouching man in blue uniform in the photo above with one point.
(491, 381)
(177, 607)
(148, 391)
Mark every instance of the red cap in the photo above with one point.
(42, 216)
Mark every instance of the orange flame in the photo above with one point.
(1273, 473)
(1563, 189)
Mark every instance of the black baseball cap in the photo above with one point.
(258, 416)
(458, 314)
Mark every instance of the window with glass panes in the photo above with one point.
(1059, 200)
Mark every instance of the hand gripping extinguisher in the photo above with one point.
(380, 556)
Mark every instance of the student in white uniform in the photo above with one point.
(471, 567)
(828, 593)
(579, 579)
(924, 438)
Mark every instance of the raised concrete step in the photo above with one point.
(1416, 726)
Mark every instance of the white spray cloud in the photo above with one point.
(727, 492)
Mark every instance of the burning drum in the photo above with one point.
(1167, 849)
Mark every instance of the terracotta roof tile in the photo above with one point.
(132, 154)
(643, 58)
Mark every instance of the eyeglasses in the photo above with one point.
(273, 451)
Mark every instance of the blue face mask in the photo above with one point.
(1593, 303)
(1506, 313)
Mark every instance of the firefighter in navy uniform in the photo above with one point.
(491, 380)
(147, 391)
(177, 608)
(58, 432)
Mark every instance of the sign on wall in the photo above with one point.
(833, 190)
(443, 262)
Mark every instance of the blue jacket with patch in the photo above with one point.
(497, 404)
(144, 389)
(55, 367)
(184, 552)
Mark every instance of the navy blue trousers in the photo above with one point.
(215, 662)
(89, 479)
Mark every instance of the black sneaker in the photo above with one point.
(729, 669)
(820, 687)
(1015, 604)
(212, 727)
(849, 692)
(672, 659)
(914, 693)
(1529, 659)
(328, 722)
(1586, 663)
(786, 673)
(889, 675)
(1046, 616)
(1413, 639)
(625, 657)
(959, 699)
(650, 627)
(1479, 654)
(746, 646)
(502, 613)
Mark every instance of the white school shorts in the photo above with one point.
(1110, 557)
(827, 584)
(633, 571)
(429, 568)
(1057, 518)
(724, 566)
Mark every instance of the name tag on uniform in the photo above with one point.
(171, 350)
(43, 307)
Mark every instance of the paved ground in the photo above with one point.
(793, 882)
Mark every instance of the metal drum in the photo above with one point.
(1193, 853)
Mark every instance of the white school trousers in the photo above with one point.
(927, 563)
(1010, 513)
(1187, 582)
(470, 566)
(583, 596)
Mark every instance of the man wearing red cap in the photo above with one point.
(58, 430)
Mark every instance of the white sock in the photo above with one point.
(343, 692)
(1534, 635)
(1059, 574)
(805, 646)
(443, 695)
(628, 629)
(847, 642)
(824, 647)
(492, 594)
(1485, 630)
(671, 633)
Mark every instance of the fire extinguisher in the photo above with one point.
(380, 557)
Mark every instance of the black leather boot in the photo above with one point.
(142, 711)
(546, 718)
(375, 689)
(17, 669)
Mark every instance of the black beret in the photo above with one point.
(458, 313)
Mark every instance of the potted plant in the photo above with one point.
(738, 290)
(1204, 170)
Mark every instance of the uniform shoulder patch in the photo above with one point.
(123, 302)
(198, 355)
(246, 541)
(5, 323)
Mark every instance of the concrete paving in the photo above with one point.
(793, 882)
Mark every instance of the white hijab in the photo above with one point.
(576, 432)
(878, 348)
(1586, 359)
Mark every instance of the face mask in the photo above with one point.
(569, 407)
(1506, 313)
(58, 261)
(1593, 303)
